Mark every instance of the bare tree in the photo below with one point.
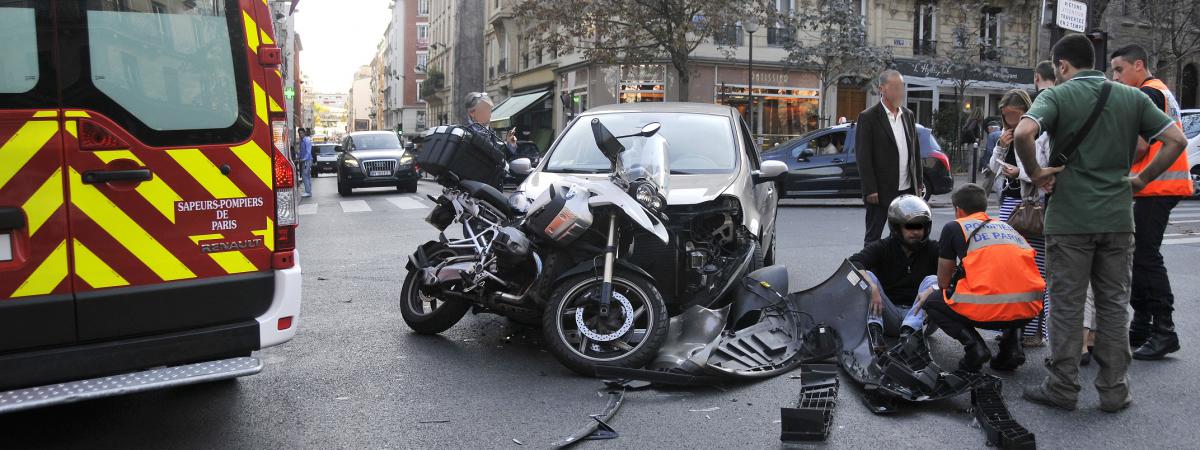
(631, 31)
(1175, 34)
(832, 42)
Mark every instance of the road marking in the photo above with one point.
(1181, 241)
(306, 209)
(355, 206)
(1185, 216)
(1186, 208)
(1184, 221)
(406, 202)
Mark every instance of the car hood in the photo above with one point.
(377, 154)
(684, 189)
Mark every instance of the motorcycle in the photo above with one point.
(559, 260)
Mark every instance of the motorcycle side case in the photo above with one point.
(560, 215)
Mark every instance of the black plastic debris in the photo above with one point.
(597, 428)
(812, 417)
(656, 376)
(997, 424)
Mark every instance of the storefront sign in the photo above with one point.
(1072, 15)
(931, 69)
(778, 78)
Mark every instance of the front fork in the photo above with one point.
(610, 255)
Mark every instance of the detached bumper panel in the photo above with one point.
(128, 383)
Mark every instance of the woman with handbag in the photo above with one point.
(1021, 203)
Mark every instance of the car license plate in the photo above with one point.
(6, 247)
(380, 173)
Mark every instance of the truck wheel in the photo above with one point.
(629, 337)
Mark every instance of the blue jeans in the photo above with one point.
(306, 172)
(893, 315)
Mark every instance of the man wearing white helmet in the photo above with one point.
(902, 265)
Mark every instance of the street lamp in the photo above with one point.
(751, 26)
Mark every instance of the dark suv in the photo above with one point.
(823, 164)
(374, 159)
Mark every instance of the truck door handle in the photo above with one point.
(105, 176)
(11, 218)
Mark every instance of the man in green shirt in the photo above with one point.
(1089, 217)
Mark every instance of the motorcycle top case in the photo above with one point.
(454, 150)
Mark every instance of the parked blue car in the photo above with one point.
(822, 164)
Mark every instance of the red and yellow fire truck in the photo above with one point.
(147, 199)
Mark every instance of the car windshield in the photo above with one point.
(375, 141)
(697, 143)
(1191, 125)
(326, 149)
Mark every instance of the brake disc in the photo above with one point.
(626, 310)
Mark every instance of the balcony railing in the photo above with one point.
(780, 37)
(925, 47)
(729, 36)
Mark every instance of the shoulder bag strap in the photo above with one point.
(1068, 151)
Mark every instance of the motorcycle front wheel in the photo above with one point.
(427, 314)
(630, 336)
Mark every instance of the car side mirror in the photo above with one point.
(805, 154)
(769, 171)
(338, 149)
(521, 166)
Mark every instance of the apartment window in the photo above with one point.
(989, 34)
(925, 29)
(422, 7)
(422, 34)
(422, 61)
(419, 92)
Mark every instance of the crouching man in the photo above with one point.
(986, 278)
(901, 265)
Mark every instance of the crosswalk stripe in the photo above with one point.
(306, 209)
(1184, 221)
(1185, 216)
(1185, 208)
(406, 202)
(1181, 241)
(355, 206)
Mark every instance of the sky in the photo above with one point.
(338, 36)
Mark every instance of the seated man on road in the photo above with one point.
(901, 265)
(986, 278)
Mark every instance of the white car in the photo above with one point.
(1191, 129)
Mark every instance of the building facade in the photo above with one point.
(456, 58)
(408, 58)
(358, 102)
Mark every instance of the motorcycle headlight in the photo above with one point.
(645, 194)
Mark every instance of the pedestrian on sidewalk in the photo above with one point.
(306, 162)
(1089, 217)
(1043, 77)
(1015, 186)
(888, 160)
(1152, 331)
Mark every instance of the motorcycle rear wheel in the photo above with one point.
(633, 347)
(426, 314)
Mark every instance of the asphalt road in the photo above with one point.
(356, 377)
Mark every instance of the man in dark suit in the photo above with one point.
(888, 157)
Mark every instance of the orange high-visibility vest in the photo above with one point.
(1002, 282)
(1175, 181)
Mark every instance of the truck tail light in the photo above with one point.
(284, 171)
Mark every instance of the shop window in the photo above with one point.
(643, 83)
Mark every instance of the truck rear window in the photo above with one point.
(18, 31)
(168, 63)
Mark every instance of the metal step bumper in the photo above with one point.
(128, 383)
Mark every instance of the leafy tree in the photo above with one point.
(631, 31)
(832, 42)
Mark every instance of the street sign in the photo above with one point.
(289, 92)
(1071, 15)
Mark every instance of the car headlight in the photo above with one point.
(350, 162)
(406, 160)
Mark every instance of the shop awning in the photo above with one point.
(998, 86)
(503, 113)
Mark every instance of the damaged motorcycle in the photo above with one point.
(556, 261)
